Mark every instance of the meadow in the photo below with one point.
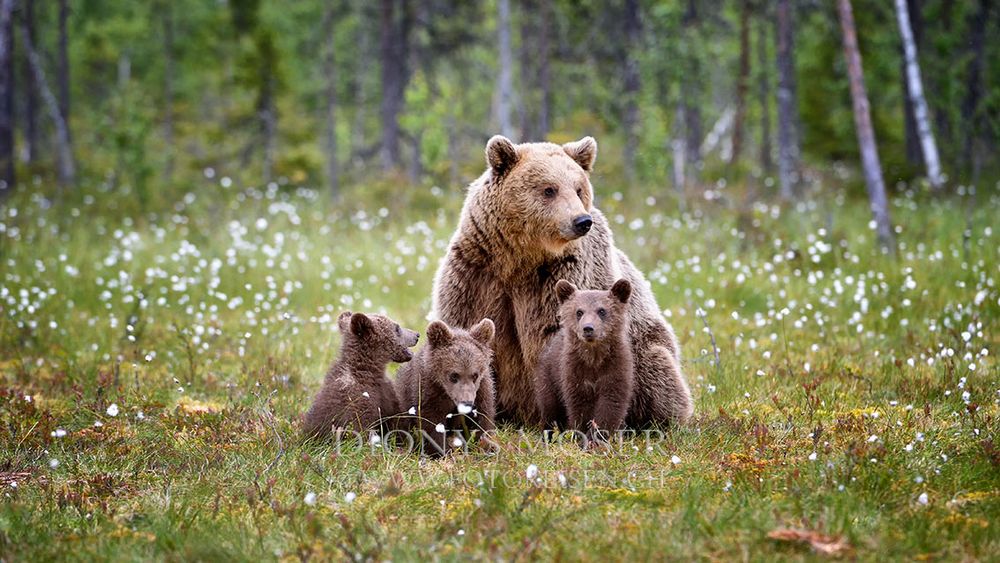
(154, 363)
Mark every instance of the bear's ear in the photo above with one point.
(483, 332)
(564, 290)
(361, 325)
(622, 290)
(500, 154)
(344, 321)
(584, 152)
(438, 334)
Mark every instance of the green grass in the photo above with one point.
(217, 328)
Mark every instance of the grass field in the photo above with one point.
(154, 365)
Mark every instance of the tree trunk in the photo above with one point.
(62, 68)
(330, 76)
(788, 147)
(168, 88)
(691, 90)
(6, 100)
(544, 82)
(974, 84)
(505, 80)
(913, 154)
(866, 134)
(764, 93)
(678, 149)
(742, 81)
(916, 91)
(393, 37)
(630, 123)
(64, 148)
(30, 90)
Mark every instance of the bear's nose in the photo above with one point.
(582, 224)
(588, 330)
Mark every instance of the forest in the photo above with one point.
(335, 94)
(193, 191)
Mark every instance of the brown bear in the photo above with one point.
(527, 222)
(447, 390)
(585, 375)
(356, 394)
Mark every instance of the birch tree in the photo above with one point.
(788, 146)
(866, 134)
(505, 82)
(916, 91)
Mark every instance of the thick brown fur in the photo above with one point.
(449, 383)
(514, 241)
(356, 393)
(584, 378)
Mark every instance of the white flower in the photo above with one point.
(59, 433)
(531, 472)
(112, 410)
(457, 442)
(365, 394)
(675, 460)
(375, 439)
(440, 428)
(812, 456)
(922, 499)
(53, 463)
(349, 498)
(464, 408)
(310, 498)
(562, 479)
(873, 438)
(461, 532)
(413, 410)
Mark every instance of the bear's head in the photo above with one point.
(458, 360)
(592, 316)
(378, 336)
(541, 193)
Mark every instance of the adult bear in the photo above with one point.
(528, 222)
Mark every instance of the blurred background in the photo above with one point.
(140, 97)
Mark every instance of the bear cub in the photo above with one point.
(356, 393)
(584, 379)
(449, 386)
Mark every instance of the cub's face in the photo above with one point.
(545, 195)
(459, 360)
(380, 334)
(593, 316)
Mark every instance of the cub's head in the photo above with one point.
(593, 316)
(540, 192)
(459, 360)
(378, 335)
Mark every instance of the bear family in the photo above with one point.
(447, 390)
(584, 378)
(356, 394)
(526, 223)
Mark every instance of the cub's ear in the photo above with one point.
(438, 334)
(564, 290)
(500, 154)
(361, 325)
(344, 321)
(483, 332)
(622, 290)
(584, 152)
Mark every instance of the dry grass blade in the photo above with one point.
(820, 543)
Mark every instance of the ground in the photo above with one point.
(152, 372)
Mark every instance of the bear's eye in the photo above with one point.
(579, 313)
(601, 313)
(550, 191)
(579, 193)
(453, 377)
(399, 331)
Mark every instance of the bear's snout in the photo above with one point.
(582, 224)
